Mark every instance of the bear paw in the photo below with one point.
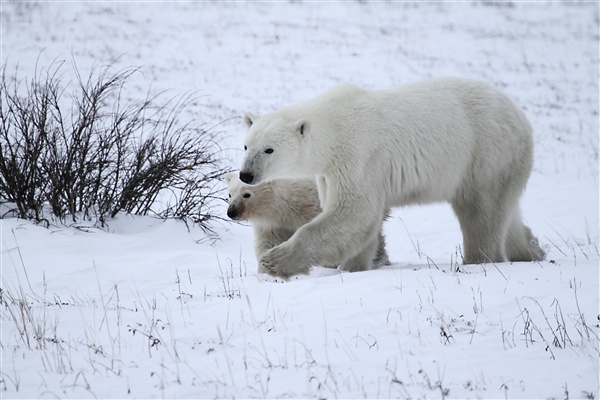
(283, 263)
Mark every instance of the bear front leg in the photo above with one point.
(332, 237)
(261, 247)
(266, 239)
(309, 245)
(363, 261)
(285, 261)
(373, 255)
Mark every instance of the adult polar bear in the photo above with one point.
(445, 139)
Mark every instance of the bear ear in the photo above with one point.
(229, 176)
(249, 119)
(302, 126)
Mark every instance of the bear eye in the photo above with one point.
(246, 195)
(269, 151)
(229, 195)
(245, 148)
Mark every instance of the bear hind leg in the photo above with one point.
(521, 245)
(484, 223)
(381, 256)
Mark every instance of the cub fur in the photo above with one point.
(276, 209)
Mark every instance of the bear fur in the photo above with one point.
(444, 139)
(276, 209)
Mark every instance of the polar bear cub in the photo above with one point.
(445, 139)
(276, 210)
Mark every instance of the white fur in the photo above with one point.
(277, 209)
(445, 139)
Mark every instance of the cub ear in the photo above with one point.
(229, 176)
(249, 119)
(302, 126)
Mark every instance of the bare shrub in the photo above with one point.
(99, 154)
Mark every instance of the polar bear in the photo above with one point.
(443, 139)
(277, 209)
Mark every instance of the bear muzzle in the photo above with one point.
(233, 213)
(246, 177)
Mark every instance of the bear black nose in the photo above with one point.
(232, 213)
(246, 177)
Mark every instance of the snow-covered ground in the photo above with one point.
(148, 309)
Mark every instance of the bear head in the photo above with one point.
(246, 202)
(274, 148)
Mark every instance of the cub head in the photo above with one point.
(274, 148)
(242, 198)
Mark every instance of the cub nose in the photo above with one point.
(232, 213)
(246, 177)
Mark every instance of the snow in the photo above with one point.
(149, 309)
